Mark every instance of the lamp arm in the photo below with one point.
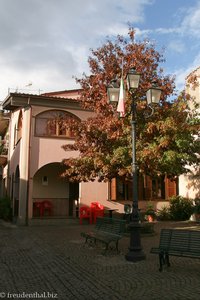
(149, 114)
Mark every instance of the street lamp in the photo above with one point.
(153, 96)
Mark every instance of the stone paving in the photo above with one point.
(52, 262)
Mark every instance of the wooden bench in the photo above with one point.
(107, 231)
(177, 242)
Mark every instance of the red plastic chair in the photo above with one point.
(85, 213)
(97, 210)
(47, 206)
(96, 205)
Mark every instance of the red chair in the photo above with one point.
(85, 213)
(47, 206)
(97, 210)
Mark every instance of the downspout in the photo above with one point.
(109, 190)
(8, 170)
(29, 147)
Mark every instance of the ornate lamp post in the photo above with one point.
(153, 96)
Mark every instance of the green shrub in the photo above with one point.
(163, 214)
(5, 208)
(180, 208)
(150, 209)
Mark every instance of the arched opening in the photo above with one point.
(53, 196)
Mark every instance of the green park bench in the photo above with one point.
(108, 231)
(177, 242)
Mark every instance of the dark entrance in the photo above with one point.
(16, 194)
(73, 195)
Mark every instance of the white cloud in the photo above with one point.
(191, 23)
(167, 30)
(48, 41)
(177, 46)
(142, 32)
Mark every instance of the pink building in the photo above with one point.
(32, 161)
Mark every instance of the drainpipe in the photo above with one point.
(29, 147)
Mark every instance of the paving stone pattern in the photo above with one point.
(52, 262)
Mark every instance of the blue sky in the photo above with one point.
(46, 42)
(175, 26)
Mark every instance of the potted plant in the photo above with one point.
(150, 212)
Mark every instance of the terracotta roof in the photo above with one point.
(64, 94)
(13, 100)
(46, 95)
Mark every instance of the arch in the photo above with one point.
(55, 123)
(48, 185)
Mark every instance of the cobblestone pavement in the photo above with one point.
(52, 262)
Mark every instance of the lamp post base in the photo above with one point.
(135, 250)
(135, 256)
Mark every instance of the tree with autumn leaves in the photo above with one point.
(166, 141)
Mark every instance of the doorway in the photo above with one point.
(73, 195)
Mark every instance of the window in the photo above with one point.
(45, 180)
(55, 123)
(148, 188)
(120, 189)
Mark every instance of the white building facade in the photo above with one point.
(189, 184)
